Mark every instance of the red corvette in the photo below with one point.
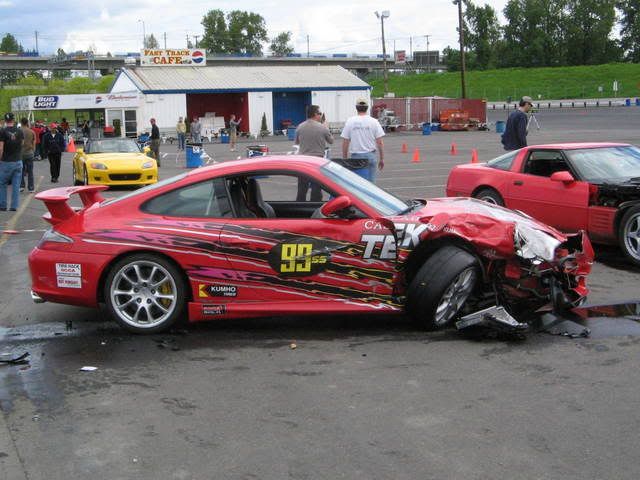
(232, 240)
(576, 186)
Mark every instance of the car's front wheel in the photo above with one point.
(85, 176)
(145, 293)
(629, 234)
(490, 195)
(442, 286)
(75, 175)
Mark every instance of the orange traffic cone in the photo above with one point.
(71, 146)
(474, 155)
(454, 149)
(404, 148)
(416, 156)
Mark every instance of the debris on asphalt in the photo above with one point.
(169, 343)
(494, 318)
(14, 360)
(88, 369)
(293, 346)
(69, 325)
(550, 323)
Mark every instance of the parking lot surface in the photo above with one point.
(317, 397)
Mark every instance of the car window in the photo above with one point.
(205, 199)
(544, 163)
(290, 188)
(503, 162)
(113, 145)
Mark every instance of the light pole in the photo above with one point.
(144, 35)
(384, 14)
(462, 62)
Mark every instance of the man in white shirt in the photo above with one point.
(362, 136)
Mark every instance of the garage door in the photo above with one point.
(289, 106)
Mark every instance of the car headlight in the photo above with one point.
(98, 166)
(147, 164)
(531, 243)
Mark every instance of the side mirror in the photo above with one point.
(79, 150)
(335, 205)
(563, 176)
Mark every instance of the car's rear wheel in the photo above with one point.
(629, 234)
(85, 176)
(145, 293)
(490, 195)
(442, 286)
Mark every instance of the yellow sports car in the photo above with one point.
(113, 161)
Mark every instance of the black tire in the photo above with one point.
(75, 176)
(85, 176)
(145, 293)
(490, 195)
(629, 234)
(450, 272)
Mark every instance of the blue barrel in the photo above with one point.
(194, 155)
(499, 126)
(627, 102)
(637, 102)
(435, 127)
(291, 133)
(224, 138)
(426, 128)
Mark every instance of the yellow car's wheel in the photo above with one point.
(75, 175)
(85, 176)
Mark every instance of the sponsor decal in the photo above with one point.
(198, 57)
(69, 269)
(45, 101)
(211, 310)
(301, 259)
(205, 291)
(383, 246)
(69, 282)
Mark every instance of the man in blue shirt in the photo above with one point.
(515, 133)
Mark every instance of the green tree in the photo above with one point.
(237, 32)
(630, 29)
(151, 42)
(280, 46)
(215, 32)
(482, 34)
(588, 32)
(9, 44)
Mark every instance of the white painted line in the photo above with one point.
(414, 177)
(413, 188)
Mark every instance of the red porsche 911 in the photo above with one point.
(234, 240)
(593, 187)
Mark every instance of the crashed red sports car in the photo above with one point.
(234, 240)
(593, 187)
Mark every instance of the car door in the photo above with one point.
(288, 256)
(559, 204)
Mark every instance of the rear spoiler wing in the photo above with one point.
(56, 201)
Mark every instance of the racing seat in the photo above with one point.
(237, 199)
(255, 203)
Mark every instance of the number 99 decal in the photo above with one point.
(298, 259)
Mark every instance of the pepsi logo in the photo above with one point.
(198, 56)
(98, 99)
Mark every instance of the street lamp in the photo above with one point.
(144, 35)
(384, 14)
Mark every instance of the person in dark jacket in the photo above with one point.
(53, 146)
(515, 133)
(155, 141)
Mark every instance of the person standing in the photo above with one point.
(53, 146)
(233, 131)
(181, 129)
(38, 129)
(515, 132)
(362, 136)
(10, 162)
(28, 152)
(196, 130)
(155, 140)
(313, 137)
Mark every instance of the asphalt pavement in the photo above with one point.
(318, 397)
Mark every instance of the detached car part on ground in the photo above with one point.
(593, 187)
(208, 244)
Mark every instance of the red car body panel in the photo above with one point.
(564, 206)
(249, 267)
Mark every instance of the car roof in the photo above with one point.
(269, 162)
(575, 146)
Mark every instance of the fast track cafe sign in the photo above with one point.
(182, 57)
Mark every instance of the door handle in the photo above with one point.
(518, 183)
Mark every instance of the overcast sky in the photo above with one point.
(333, 26)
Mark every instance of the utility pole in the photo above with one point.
(187, 40)
(307, 46)
(37, 43)
(428, 56)
(165, 40)
(462, 63)
(382, 16)
(411, 47)
(196, 36)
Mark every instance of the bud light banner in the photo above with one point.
(45, 101)
(176, 58)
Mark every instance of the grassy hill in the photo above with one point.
(539, 83)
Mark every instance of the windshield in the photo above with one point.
(608, 163)
(383, 202)
(113, 145)
(146, 189)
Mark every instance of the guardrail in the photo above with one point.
(575, 103)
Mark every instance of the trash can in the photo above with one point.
(224, 138)
(291, 133)
(257, 151)
(627, 102)
(637, 102)
(499, 126)
(426, 128)
(194, 155)
(359, 166)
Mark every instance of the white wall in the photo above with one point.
(259, 103)
(123, 84)
(165, 108)
(338, 105)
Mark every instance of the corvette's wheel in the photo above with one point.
(490, 195)
(629, 234)
(85, 176)
(442, 286)
(145, 293)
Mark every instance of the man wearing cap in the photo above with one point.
(10, 162)
(362, 136)
(155, 140)
(53, 145)
(515, 133)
